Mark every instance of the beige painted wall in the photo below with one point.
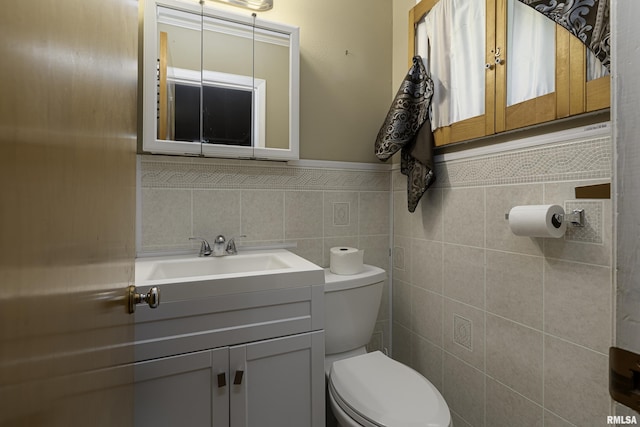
(343, 97)
(400, 41)
(400, 55)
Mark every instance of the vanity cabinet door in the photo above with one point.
(281, 384)
(183, 390)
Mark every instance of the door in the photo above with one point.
(67, 212)
(626, 94)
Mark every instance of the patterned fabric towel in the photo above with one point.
(407, 128)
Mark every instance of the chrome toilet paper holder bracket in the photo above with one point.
(576, 217)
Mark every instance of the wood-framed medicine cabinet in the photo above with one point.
(218, 83)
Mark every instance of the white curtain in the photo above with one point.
(531, 64)
(451, 39)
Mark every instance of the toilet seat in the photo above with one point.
(377, 391)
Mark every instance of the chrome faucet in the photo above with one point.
(205, 249)
(219, 248)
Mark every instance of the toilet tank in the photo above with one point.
(351, 305)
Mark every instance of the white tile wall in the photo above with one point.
(539, 310)
(534, 316)
(314, 208)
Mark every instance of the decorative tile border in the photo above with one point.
(583, 159)
(233, 174)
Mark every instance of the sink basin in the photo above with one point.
(207, 266)
(189, 276)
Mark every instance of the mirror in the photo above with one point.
(219, 84)
(229, 105)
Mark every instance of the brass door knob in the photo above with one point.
(152, 298)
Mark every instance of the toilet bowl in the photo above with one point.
(374, 390)
(370, 389)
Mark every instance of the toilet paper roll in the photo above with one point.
(345, 260)
(537, 221)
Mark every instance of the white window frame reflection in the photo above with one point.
(229, 81)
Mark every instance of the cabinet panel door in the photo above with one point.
(590, 83)
(529, 81)
(283, 382)
(221, 384)
(463, 102)
(598, 94)
(181, 390)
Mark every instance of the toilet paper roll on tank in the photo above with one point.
(346, 260)
(538, 221)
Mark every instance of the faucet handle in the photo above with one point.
(231, 245)
(205, 248)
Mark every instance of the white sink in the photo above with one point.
(189, 276)
(211, 266)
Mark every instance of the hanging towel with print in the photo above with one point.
(407, 128)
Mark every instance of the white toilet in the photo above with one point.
(370, 389)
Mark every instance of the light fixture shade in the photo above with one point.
(250, 4)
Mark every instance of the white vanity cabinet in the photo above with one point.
(244, 359)
(265, 383)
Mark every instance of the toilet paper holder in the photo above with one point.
(576, 217)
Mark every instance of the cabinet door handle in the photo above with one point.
(499, 60)
(237, 379)
(222, 380)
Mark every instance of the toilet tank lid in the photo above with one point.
(368, 276)
(388, 393)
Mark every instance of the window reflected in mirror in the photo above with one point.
(226, 116)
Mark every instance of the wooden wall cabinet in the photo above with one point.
(573, 94)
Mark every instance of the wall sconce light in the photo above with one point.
(260, 5)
